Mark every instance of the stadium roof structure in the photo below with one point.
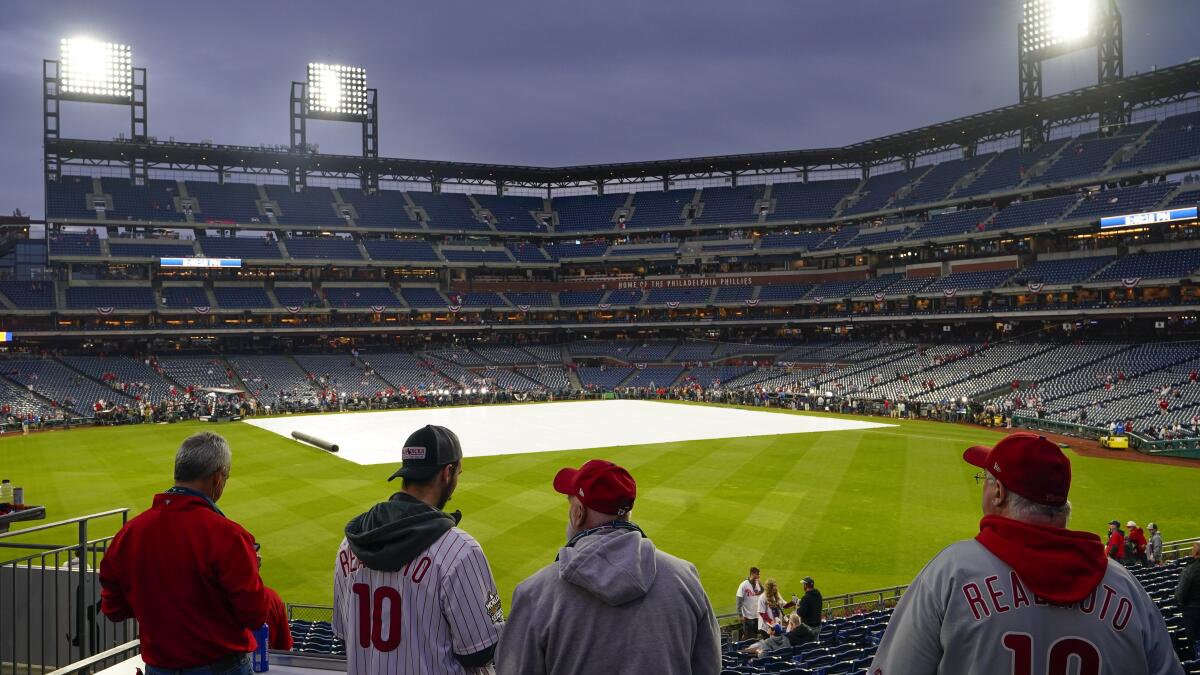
(1159, 87)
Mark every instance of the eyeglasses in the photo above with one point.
(982, 477)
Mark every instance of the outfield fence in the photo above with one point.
(50, 596)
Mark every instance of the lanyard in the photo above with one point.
(194, 493)
(614, 525)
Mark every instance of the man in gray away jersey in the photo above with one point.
(1025, 596)
(412, 593)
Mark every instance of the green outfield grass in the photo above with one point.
(854, 509)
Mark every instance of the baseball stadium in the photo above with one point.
(789, 350)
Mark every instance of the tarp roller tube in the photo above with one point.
(313, 440)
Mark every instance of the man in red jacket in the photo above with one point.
(187, 573)
(1115, 548)
(1139, 542)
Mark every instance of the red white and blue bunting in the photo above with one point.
(819, 299)
(1130, 282)
(752, 302)
(604, 305)
(1036, 286)
(672, 304)
(949, 292)
(879, 297)
(454, 308)
(104, 311)
(523, 308)
(294, 309)
(202, 309)
(378, 309)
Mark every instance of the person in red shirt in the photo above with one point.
(1139, 541)
(1115, 548)
(188, 574)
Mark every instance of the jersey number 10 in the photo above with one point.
(1062, 653)
(371, 609)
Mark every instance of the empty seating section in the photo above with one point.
(808, 201)
(654, 376)
(322, 248)
(585, 249)
(879, 190)
(1158, 265)
(652, 351)
(448, 211)
(491, 255)
(527, 253)
(310, 206)
(340, 373)
(385, 208)
(624, 297)
(839, 239)
(228, 203)
(694, 351)
(586, 213)
(483, 299)
(876, 285)
(29, 294)
(955, 223)
(659, 209)
(725, 245)
(117, 297)
(716, 375)
(513, 214)
(505, 355)
(800, 240)
(270, 377)
(241, 297)
(1174, 140)
(834, 290)
(246, 248)
(580, 298)
(1186, 198)
(1064, 271)
(150, 248)
(1031, 213)
(423, 298)
(908, 285)
(1007, 169)
(56, 382)
(297, 296)
(198, 371)
(404, 371)
(935, 185)
(730, 204)
(637, 251)
(602, 377)
(1082, 158)
(401, 249)
(538, 299)
(876, 236)
(967, 281)
(458, 357)
(360, 296)
(545, 353)
(783, 292)
(1122, 201)
(130, 376)
(184, 297)
(734, 294)
(554, 379)
(153, 201)
(506, 380)
(20, 401)
(73, 244)
(67, 198)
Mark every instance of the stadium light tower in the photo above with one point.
(1052, 28)
(92, 71)
(340, 94)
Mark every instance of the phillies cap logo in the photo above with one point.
(413, 452)
(996, 467)
(580, 492)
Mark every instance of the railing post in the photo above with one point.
(82, 598)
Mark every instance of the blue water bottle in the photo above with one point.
(262, 637)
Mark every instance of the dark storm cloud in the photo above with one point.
(552, 83)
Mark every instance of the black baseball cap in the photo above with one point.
(426, 451)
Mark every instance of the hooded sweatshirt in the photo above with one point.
(611, 603)
(1021, 598)
(393, 533)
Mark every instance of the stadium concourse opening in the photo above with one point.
(370, 438)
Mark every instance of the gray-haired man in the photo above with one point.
(186, 572)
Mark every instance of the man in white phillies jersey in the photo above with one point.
(1026, 596)
(412, 593)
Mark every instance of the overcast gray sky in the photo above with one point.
(551, 82)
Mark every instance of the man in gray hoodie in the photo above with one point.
(611, 602)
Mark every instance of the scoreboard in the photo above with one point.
(1151, 218)
(200, 262)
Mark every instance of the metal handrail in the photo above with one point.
(120, 652)
(60, 523)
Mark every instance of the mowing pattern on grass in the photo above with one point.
(854, 509)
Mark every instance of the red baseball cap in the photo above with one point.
(1027, 464)
(601, 486)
